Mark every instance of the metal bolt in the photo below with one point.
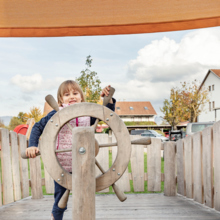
(51, 120)
(58, 179)
(56, 125)
(113, 169)
(62, 174)
(107, 119)
(111, 114)
(82, 150)
(119, 174)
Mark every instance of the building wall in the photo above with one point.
(214, 96)
(137, 118)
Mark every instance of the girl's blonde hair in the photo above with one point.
(65, 87)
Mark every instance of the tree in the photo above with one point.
(2, 125)
(23, 117)
(35, 113)
(15, 121)
(172, 109)
(185, 104)
(90, 82)
(194, 99)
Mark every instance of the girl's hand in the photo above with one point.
(31, 152)
(105, 92)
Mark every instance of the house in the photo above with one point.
(212, 109)
(135, 111)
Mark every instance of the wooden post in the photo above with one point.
(170, 168)
(83, 177)
(181, 187)
(7, 189)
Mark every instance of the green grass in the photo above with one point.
(110, 188)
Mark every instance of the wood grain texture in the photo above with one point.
(123, 183)
(188, 166)
(154, 165)
(7, 183)
(207, 140)
(83, 167)
(35, 175)
(197, 168)
(49, 182)
(22, 143)
(169, 168)
(137, 165)
(103, 156)
(216, 146)
(15, 166)
(181, 188)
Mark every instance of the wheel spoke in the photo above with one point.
(63, 150)
(99, 166)
(95, 124)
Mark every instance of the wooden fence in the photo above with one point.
(188, 167)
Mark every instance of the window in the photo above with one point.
(146, 108)
(210, 88)
(131, 108)
(213, 87)
(210, 106)
(118, 108)
(213, 105)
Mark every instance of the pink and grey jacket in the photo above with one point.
(64, 140)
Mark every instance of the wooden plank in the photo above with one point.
(15, 166)
(0, 174)
(197, 168)
(123, 183)
(35, 175)
(103, 156)
(154, 165)
(49, 182)
(30, 126)
(7, 182)
(216, 146)
(83, 177)
(170, 168)
(188, 166)
(137, 165)
(181, 188)
(207, 140)
(22, 143)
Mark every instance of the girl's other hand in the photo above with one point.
(31, 152)
(105, 91)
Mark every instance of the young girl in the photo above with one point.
(68, 93)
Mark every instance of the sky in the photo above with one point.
(141, 67)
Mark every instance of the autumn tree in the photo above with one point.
(35, 112)
(15, 121)
(23, 117)
(90, 82)
(2, 125)
(185, 104)
(172, 109)
(193, 98)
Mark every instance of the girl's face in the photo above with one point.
(71, 97)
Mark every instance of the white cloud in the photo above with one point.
(166, 60)
(35, 83)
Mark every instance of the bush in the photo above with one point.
(139, 123)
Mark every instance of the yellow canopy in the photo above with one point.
(50, 18)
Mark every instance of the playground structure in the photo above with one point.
(188, 165)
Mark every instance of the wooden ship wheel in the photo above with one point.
(57, 121)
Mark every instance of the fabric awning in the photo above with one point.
(50, 18)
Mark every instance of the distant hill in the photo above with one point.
(6, 119)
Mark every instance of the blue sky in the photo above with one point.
(142, 67)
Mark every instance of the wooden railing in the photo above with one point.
(188, 167)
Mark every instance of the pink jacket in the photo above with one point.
(64, 141)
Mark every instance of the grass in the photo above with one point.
(110, 188)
